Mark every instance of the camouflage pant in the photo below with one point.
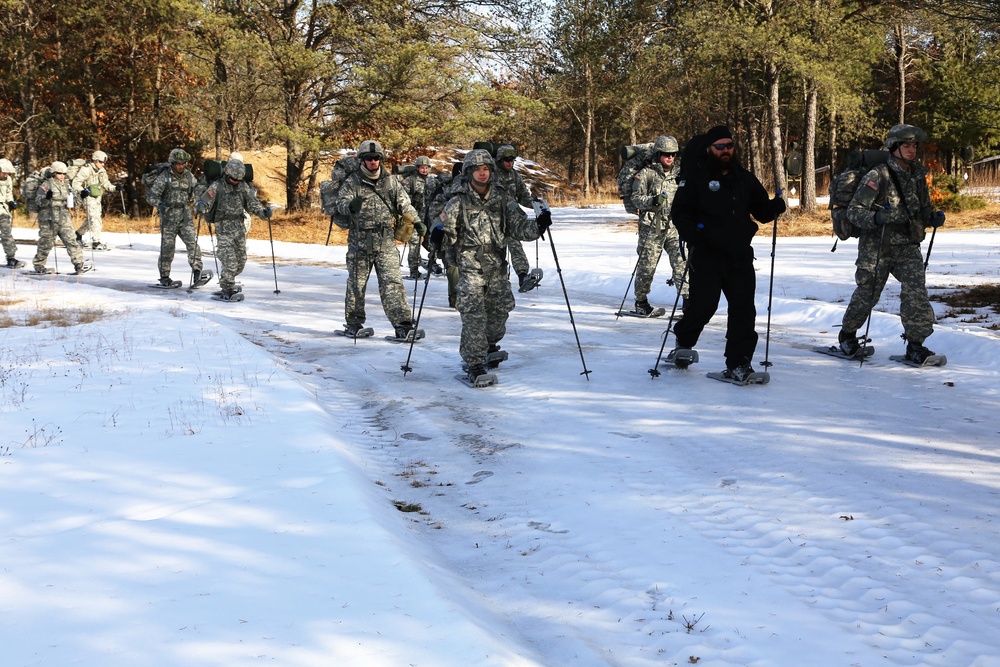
(484, 300)
(177, 222)
(6, 237)
(518, 259)
(367, 250)
(450, 261)
(652, 243)
(906, 264)
(413, 253)
(49, 227)
(93, 223)
(231, 249)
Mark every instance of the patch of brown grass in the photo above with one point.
(54, 317)
(965, 298)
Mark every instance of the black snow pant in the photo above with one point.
(714, 273)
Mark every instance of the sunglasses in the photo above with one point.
(724, 147)
(508, 159)
(372, 158)
(668, 154)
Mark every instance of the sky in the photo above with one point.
(190, 482)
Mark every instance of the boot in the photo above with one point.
(849, 342)
(166, 282)
(642, 307)
(917, 353)
(740, 373)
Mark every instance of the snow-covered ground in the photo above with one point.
(189, 482)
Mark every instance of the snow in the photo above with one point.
(189, 482)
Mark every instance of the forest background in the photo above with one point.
(568, 82)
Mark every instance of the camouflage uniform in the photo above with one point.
(480, 227)
(6, 198)
(432, 218)
(414, 185)
(95, 179)
(54, 220)
(228, 205)
(172, 194)
(656, 231)
(894, 247)
(512, 182)
(371, 242)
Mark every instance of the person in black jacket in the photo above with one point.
(715, 198)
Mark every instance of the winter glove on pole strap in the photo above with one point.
(48, 195)
(661, 199)
(85, 192)
(437, 236)
(420, 228)
(778, 206)
(937, 220)
(883, 216)
(12, 205)
(544, 221)
(355, 205)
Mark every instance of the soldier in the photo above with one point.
(892, 209)
(480, 220)
(439, 190)
(7, 206)
(374, 200)
(415, 185)
(172, 194)
(54, 199)
(512, 182)
(652, 195)
(90, 184)
(226, 203)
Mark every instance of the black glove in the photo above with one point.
(778, 206)
(12, 205)
(355, 204)
(420, 228)
(883, 216)
(85, 192)
(48, 194)
(268, 212)
(437, 236)
(937, 219)
(544, 221)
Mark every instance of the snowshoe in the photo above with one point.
(837, 351)
(202, 278)
(100, 247)
(477, 377)
(355, 331)
(653, 312)
(530, 280)
(236, 288)
(83, 267)
(41, 271)
(495, 356)
(14, 263)
(920, 358)
(229, 295)
(167, 283)
(414, 275)
(682, 357)
(742, 376)
(406, 335)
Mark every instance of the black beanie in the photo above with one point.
(716, 133)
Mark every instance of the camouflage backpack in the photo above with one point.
(634, 159)
(29, 188)
(845, 184)
(149, 176)
(328, 190)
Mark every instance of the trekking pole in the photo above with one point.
(586, 373)
(930, 246)
(329, 231)
(125, 216)
(431, 257)
(654, 372)
(627, 289)
(274, 264)
(197, 237)
(215, 256)
(770, 290)
(871, 301)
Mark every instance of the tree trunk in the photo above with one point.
(588, 130)
(901, 65)
(774, 120)
(808, 200)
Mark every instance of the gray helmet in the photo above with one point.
(475, 158)
(178, 155)
(422, 161)
(6, 167)
(370, 147)
(236, 156)
(900, 134)
(99, 156)
(665, 144)
(235, 170)
(58, 167)
(506, 151)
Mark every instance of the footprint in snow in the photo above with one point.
(414, 436)
(545, 527)
(480, 476)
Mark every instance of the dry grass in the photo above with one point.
(53, 317)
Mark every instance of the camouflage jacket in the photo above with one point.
(485, 224)
(903, 192)
(512, 182)
(383, 201)
(415, 186)
(6, 194)
(90, 175)
(650, 183)
(172, 190)
(48, 208)
(224, 203)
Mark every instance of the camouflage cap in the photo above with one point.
(475, 158)
(370, 147)
(422, 161)
(506, 151)
(903, 133)
(235, 169)
(58, 167)
(665, 144)
(178, 155)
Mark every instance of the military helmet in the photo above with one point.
(235, 169)
(422, 161)
(178, 155)
(506, 151)
(58, 167)
(236, 156)
(370, 147)
(6, 167)
(99, 156)
(665, 144)
(901, 134)
(475, 158)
